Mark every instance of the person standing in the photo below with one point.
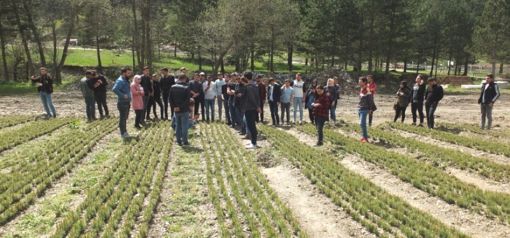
(488, 96)
(263, 95)
(372, 87)
(251, 106)
(218, 85)
(198, 94)
(180, 99)
(366, 102)
(156, 96)
(88, 95)
(310, 99)
(98, 84)
(332, 91)
(434, 94)
(123, 91)
(298, 87)
(148, 93)
(286, 98)
(209, 98)
(137, 100)
(226, 100)
(403, 96)
(273, 97)
(45, 88)
(417, 97)
(166, 82)
(321, 107)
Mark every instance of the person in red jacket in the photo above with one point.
(137, 94)
(321, 108)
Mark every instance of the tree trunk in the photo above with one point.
(199, 58)
(290, 52)
(222, 62)
(175, 50)
(136, 34)
(449, 64)
(501, 68)
(4, 53)
(271, 51)
(493, 71)
(35, 32)
(370, 43)
(390, 41)
(23, 39)
(252, 59)
(332, 61)
(149, 46)
(306, 61)
(98, 51)
(55, 49)
(466, 65)
(433, 61)
(66, 46)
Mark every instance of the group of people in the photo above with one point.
(241, 99)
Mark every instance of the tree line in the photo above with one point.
(369, 35)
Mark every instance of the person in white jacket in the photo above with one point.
(218, 84)
(209, 87)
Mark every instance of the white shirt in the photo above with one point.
(218, 85)
(298, 88)
(210, 93)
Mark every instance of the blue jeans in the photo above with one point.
(363, 122)
(233, 116)
(90, 107)
(298, 104)
(332, 113)
(209, 107)
(48, 104)
(181, 127)
(431, 109)
(123, 116)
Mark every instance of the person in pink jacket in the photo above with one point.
(137, 100)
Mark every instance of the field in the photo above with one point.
(68, 178)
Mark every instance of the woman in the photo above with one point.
(156, 85)
(366, 103)
(310, 99)
(333, 94)
(137, 94)
(209, 95)
(321, 107)
(403, 95)
(372, 87)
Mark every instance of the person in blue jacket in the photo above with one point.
(123, 91)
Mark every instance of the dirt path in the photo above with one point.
(479, 181)
(470, 223)
(315, 212)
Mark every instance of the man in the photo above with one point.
(298, 87)
(148, 90)
(231, 87)
(198, 93)
(263, 94)
(488, 96)
(417, 97)
(287, 94)
(98, 83)
(45, 89)
(88, 95)
(434, 94)
(166, 82)
(123, 91)
(180, 98)
(251, 108)
(273, 97)
(226, 99)
(218, 84)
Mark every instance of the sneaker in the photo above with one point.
(125, 135)
(251, 146)
(364, 140)
(138, 127)
(319, 144)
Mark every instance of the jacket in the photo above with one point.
(137, 94)
(180, 95)
(251, 98)
(403, 96)
(322, 111)
(366, 101)
(489, 95)
(166, 83)
(98, 84)
(46, 84)
(262, 92)
(122, 89)
(434, 94)
(275, 89)
(147, 85)
(85, 89)
(209, 90)
(418, 93)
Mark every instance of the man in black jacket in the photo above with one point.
(434, 94)
(198, 90)
(488, 96)
(166, 82)
(148, 93)
(45, 89)
(180, 98)
(98, 84)
(251, 108)
(273, 97)
(417, 98)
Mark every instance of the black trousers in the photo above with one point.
(319, 125)
(201, 103)
(157, 101)
(431, 110)
(311, 116)
(417, 108)
(251, 117)
(166, 102)
(273, 107)
(138, 117)
(101, 104)
(400, 112)
(260, 116)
